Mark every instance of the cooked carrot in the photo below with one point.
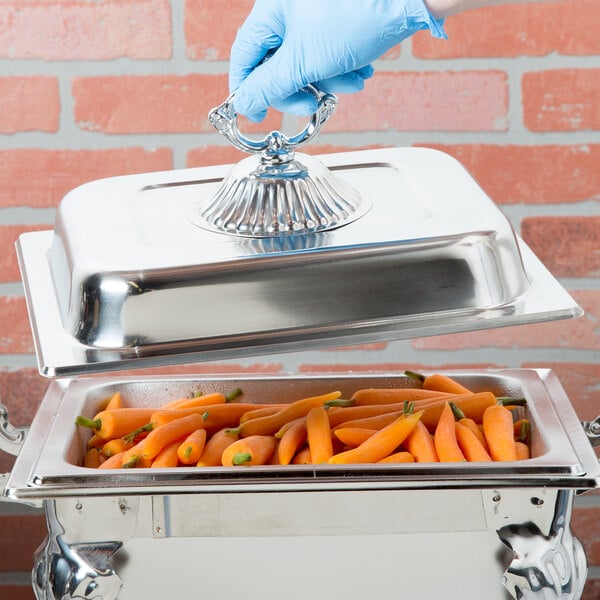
(265, 411)
(109, 424)
(248, 451)
(279, 434)
(420, 444)
(472, 405)
(115, 401)
(318, 434)
(162, 436)
(523, 451)
(439, 383)
(522, 429)
(91, 460)
(215, 446)
(302, 457)
(470, 445)
(271, 424)
(398, 457)
(95, 441)
(190, 450)
(167, 458)
(115, 446)
(499, 432)
(216, 398)
(376, 422)
(291, 440)
(446, 444)
(275, 458)
(476, 429)
(380, 444)
(353, 436)
(114, 462)
(371, 396)
(134, 457)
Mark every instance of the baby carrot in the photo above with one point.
(446, 444)
(95, 441)
(523, 452)
(215, 446)
(474, 427)
(398, 457)
(115, 401)
(499, 432)
(167, 457)
(392, 396)
(439, 383)
(116, 423)
(161, 437)
(380, 444)
(216, 398)
(115, 446)
(271, 424)
(248, 451)
(302, 457)
(114, 462)
(420, 444)
(92, 459)
(291, 440)
(472, 405)
(470, 445)
(190, 450)
(353, 436)
(265, 411)
(318, 434)
(134, 457)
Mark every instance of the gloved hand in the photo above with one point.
(330, 43)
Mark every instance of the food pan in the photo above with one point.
(49, 462)
(129, 278)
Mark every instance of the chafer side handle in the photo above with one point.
(11, 437)
(592, 430)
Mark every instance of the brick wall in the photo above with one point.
(95, 89)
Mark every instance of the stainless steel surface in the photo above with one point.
(48, 464)
(278, 193)
(126, 279)
(11, 437)
(365, 544)
(592, 430)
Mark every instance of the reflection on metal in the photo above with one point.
(277, 193)
(63, 571)
(548, 566)
(11, 437)
(592, 430)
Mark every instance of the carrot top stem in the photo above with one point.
(414, 375)
(506, 401)
(233, 395)
(131, 463)
(131, 436)
(458, 414)
(408, 408)
(339, 402)
(240, 458)
(89, 423)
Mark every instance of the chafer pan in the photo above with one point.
(127, 278)
(48, 462)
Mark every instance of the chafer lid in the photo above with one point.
(281, 252)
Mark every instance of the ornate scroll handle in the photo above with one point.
(11, 437)
(592, 430)
(275, 146)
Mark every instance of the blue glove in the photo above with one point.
(330, 43)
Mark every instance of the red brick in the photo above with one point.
(580, 381)
(568, 246)
(591, 590)
(578, 334)
(204, 41)
(9, 269)
(83, 30)
(532, 174)
(40, 178)
(562, 100)
(518, 30)
(29, 104)
(586, 526)
(153, 103)
(17, 592)
(15, 335)
(421, 101)
(20, 536)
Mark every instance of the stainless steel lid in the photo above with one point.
(127, 278)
